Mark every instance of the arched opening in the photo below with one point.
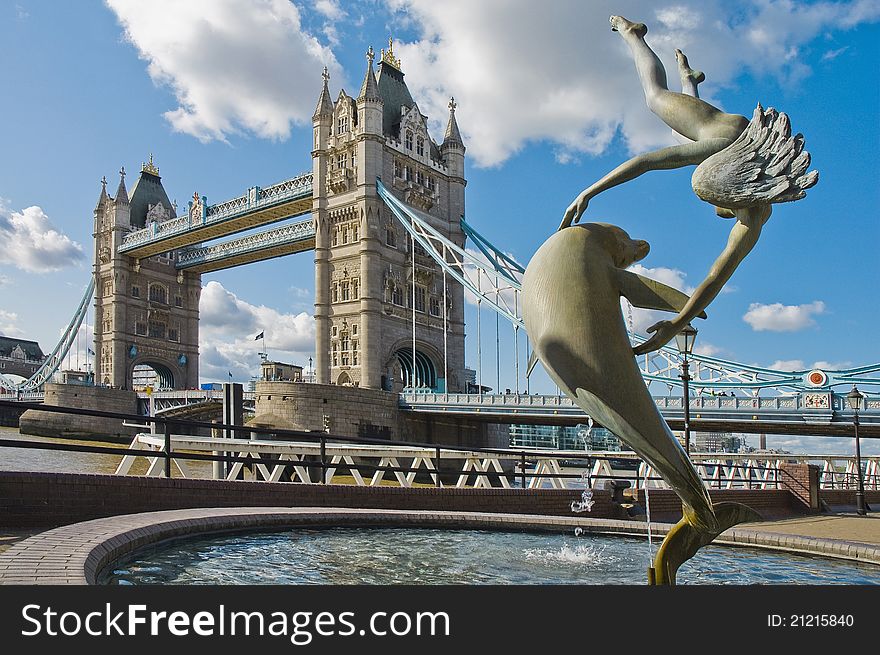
(151, 374)
(425, 374)
(344, 380)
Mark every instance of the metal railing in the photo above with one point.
(295, 452)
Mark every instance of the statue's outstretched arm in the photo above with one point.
(687, 154)
(743, 237)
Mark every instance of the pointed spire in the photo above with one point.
(369, 89)
(452, 135)
(103, 197)
(121, 193)
(325, 104)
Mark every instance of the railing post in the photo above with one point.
(437, 466)
(522, 469)
(167, 449)
(323, 460)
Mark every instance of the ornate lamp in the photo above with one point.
(854, 399)
(684, 341)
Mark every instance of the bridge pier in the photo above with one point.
(370, 413)
(105, 399)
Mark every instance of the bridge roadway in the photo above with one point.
(763, 415)
(256, 208)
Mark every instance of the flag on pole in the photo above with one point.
(91, 352)
(259, 336)
(230, 375)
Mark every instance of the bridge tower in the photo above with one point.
(146, 312)
(369, 280)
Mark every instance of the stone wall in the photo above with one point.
(54, 424)
(371, 413)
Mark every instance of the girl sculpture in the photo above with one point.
(742, 167)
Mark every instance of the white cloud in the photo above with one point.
(5, 280)
(329, 9)
(233, 65)
(31, 242)
(579, 88)
(645, 318)
(782, 318)
(228, 326)
(9, 324)
(799, 365)
(707, 349)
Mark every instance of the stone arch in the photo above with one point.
(163, 376)
(429, 366)
(344, 380)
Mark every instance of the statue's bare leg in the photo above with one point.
(690, 78)
(666, 158)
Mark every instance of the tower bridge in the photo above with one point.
(382, 209)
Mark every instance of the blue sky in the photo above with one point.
(221, 93)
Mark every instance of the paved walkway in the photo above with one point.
(76, 553)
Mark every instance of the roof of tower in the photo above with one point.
(103, 197)
(325, 104)
(121, 193)
(147, 192)
(369, 88)
(392, 90)
(452, 134)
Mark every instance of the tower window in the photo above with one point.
(408, 141)
(398, 169)
(342, 124)
(157, 293)
(420, 146)
(172, 335)
(178, 301)
(156, 330)
(420, 299)
(344, 288)
(397, 297)
(435, 306)
(135, 291)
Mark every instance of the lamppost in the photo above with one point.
(684, 340)
(311, 372)
(854, 398)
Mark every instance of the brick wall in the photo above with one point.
(769, 503)
(47, 499)
(802, 480)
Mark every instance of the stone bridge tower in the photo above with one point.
(369, 280)
(146, 312)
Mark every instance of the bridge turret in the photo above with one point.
(369, 101)
(453, 151)
(322, 122)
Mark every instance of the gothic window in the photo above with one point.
(345, 234)
(420, 299)
(345, 358)
(356, 233)
(342, 124)
(344, 290)
(335, 299)
(409, 140)
(336, 237)
(420, 177)
(354, 160)
(172, 334)
(390, 238)
(158, 293)
(397, 296)
(345, 344)
(108, 288)
(407, 173)
(135, 291)
(178, 301)
(156, 330)
(354, 330)
(420, 146)
(398, 169)
(140, 328)
(354, 289)
(342, 161)
(334, 332)
(435, 306)
(354, 357)
(432, 183)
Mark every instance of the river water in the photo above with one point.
(57, 461)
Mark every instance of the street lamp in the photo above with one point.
(684, 340)
(854, 398)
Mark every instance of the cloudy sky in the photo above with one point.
(222, 91)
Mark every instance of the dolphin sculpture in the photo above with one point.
(571, 310)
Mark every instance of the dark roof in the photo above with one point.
(394, 94)
(147, 191)
(31, 348)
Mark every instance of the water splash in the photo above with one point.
(585, 504)
(580, 554)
